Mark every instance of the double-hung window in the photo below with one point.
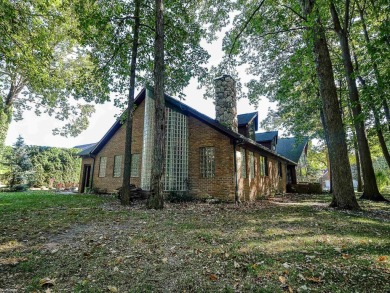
(263, 166)
(243, 163)
(280, 171)
(251, 165)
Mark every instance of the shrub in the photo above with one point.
(19, 187)
(179, 196)
(383, 180)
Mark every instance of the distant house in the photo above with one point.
(204, 156)
(291, 148)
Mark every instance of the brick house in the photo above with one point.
(204, 156)
(291, 148)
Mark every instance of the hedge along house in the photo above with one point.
(203, 156)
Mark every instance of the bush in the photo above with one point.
(19, 187)
(383, 180)
(179, 196)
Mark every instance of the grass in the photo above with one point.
(89, 243)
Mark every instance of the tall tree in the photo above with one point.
(156, 197)
(41, 65)
(370, 190)
(292, 33)
(125, 192)
(378, 51)
(21, 167)
(343, 193)
(108, 29)
(375, 113)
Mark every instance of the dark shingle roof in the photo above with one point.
(244, 119)
(85, 151)
(84, 146)
(266, 136)
(291, 148)
(187, 111)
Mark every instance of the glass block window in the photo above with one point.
(102, 166)
(135, 165)
(263, 166)
(117, 166)
(251, 165)
(243, 163)
(176, 151)
(148, 140)
(207, 162)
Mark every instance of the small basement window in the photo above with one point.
(207, 162)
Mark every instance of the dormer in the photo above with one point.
(268, 139)
(248, 124)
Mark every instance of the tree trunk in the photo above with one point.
(125, 190)
(343, 193)
(378, 126)
(6, 109)
(327, 144)
(375, 66)
(370, 190)
(357, 157)
(358, 171)
(156, 196)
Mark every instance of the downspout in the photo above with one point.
(236, 197)
(92, 170)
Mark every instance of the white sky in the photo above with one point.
(37, 130)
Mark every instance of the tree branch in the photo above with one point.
(123, 18)
(346, 15)
(335, 16)
(147, 26)
(132, 17)
(245, 26)
(295, 12)
(283, 31)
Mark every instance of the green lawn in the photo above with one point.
(89, 243)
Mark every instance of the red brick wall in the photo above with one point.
(200, 135)
(115, 147)
(250, 189)
(84, 161)
(222, 186)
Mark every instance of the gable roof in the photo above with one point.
(291, 148)
(187, 111)
(266, 136)
(245, 119)
(87, 150)
(84, 146)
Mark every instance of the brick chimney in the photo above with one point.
(226, 102)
